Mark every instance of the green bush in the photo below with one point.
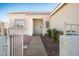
(54, 34)
(49, 33)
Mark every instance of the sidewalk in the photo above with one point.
(36, 48)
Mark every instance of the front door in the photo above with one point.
(3, 46)
(38, 26)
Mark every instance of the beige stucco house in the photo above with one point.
(39, 22)
(66, 18)
(65, 14)
(23, 25)
(30, 22)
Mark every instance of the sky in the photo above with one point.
(6, 8)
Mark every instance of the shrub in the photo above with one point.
(56, 34)
(49, 33)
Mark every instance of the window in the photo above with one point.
(47, 24)
(19, 24)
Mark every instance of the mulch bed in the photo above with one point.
(52, 48)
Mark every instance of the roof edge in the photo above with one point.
(32, 12)
(56, 9)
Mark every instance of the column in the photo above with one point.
(43, 26)
(30, 26)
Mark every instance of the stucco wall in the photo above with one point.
(19, 16)
(69, 13)
(28, 22)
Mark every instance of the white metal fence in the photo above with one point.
(69, 42)
(16, 44)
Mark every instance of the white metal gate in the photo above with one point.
(17, 45)
(69, 42)
(3, 46)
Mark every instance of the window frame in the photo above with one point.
(19, 24)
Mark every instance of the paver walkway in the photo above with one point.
(36, 47)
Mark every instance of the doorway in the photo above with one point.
(37, 26)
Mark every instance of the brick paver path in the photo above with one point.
(36, 47)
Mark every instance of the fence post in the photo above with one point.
(65, 28)
(22, 43)
(8, 42)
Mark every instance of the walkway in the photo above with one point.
(36, 48)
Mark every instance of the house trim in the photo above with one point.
(57, 8)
